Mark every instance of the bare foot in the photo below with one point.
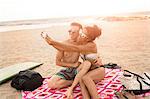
(69, 93)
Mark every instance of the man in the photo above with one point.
(86, 47)
(66, 59)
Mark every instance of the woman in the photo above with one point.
(86, 47)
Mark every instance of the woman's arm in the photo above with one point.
(98, 61)
(86, 48)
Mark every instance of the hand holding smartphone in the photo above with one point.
(44, 34)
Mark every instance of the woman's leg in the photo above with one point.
(82, 70)
(56, 82)
(90, 78)
(84, 91)
(85, 66)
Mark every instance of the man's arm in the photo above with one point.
(59, 61)
(87, 48)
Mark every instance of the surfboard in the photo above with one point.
(7, 73)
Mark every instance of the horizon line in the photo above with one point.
(61, 17)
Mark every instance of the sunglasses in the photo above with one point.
(72, 31)
(84, 35)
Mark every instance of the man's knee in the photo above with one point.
(55, 85)
(52, 85)
(63, 83)
(59, 84)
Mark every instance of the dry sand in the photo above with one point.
(128, 50)
(26, 45)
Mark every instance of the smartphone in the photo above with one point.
(44, 34)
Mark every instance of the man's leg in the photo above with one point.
(56, 82)
(90, 78)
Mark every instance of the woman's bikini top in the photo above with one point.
(90, 57)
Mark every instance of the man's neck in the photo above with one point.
(71, 40)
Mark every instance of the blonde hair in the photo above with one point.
(76, 24)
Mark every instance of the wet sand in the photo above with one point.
(125, 43)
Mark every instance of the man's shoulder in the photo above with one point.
(90, 43)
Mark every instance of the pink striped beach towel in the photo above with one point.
(106, 88)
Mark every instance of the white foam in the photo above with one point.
(23, 27)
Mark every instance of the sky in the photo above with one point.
(38, 9)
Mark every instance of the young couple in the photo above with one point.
(87, 72)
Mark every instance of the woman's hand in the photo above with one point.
(98, 61)
(77, 64)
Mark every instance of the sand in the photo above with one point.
(19, 46)
(124, 43)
